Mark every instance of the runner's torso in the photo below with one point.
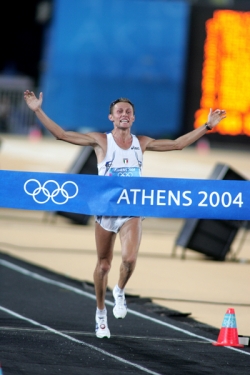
(120, 162)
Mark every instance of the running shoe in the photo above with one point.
(120, 307)
(101, 328)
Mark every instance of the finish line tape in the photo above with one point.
(134, 196)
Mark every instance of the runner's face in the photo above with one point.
(122, 115)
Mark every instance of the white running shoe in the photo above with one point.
(101, 328)
(120, 307)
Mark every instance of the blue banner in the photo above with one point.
(117, 196)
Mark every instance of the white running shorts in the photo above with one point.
(112, 223)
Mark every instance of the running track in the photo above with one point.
(47, 327)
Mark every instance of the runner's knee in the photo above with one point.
(104, 266)
(129, 263)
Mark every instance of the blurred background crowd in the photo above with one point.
(174, 59)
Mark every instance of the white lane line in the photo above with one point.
(91, 296)
(92, 334)
(52, 330)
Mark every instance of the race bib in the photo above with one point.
(125, 172)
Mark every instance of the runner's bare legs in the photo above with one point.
(105, 241)
(130, 237)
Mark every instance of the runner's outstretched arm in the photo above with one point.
(35, 104)
(214, 117)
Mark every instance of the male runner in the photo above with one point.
(119, 153)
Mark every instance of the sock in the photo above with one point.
(119, 290)
(101, 312)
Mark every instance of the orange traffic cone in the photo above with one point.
(228, 335)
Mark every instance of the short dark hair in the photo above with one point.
(120, 100)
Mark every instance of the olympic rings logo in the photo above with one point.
(44, 189)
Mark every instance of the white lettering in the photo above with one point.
(224, 199)
(238, 200)
(175, 199)
(187, 198)
(151, 197)
(124, 195)
(214, 202)
(135, 191)
(159, 197)
(202, 202)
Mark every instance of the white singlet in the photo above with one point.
(122, 163)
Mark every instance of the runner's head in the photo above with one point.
(120, 100)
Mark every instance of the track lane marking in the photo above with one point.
(59, 333)
(91, 334)
(44, 279)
